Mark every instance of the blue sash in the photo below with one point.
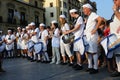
(77, 39)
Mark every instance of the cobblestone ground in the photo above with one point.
(22, 69)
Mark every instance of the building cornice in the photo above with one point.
(30, 5)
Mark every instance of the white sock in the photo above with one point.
(34, 56)
(38, 56)
(46, 55)
(95, 59)
(89, 60)
(9, 54)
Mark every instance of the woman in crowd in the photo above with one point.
(24, 39)
(55, 42)
(65, 47)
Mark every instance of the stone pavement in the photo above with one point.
(22, 69)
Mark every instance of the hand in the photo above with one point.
(93, 31)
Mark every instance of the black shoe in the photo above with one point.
(79, 67)
(115, 74)
(63, 63)
(70, 64)
(89, 69)
(33, 60)
(74, 65)
(28, 58)
(38, 61)
(1, 70)
(93, 71)
(47, 62)
(43, 61)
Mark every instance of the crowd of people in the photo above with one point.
(91, 41)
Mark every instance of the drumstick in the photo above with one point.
(116, 42)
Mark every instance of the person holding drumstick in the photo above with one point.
(115, 29)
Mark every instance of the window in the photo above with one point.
(22, 17)
(60, 4)
(51, 14)
(51, 4)
(10, 15)
(36, 4)
(37, 20)
(60, 12)
(1, 19)
(64, 4)
(65, 13)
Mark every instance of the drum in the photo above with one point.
(68, 38)
(2, 47)
(110, 43)
(38, 47)
(9, 47)
(30, 45)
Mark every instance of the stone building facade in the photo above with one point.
(14, 13)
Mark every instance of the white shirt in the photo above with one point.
(43, 35)
(18, 34)
(34, 38)
(114, 26)
(10, 38)
(24, 36)
(56, 38)
(91, 24)
(65, 27)
(19, 37)
(79, 32)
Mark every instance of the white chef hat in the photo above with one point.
(9, 31)
(42, 24)
(87, 5)
(73, 10)
(27, 27)
(54, 21)
(32, 24)
(18, 28)
(62, 16)
(23, 29)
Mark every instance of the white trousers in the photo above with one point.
(65, 48)
(55, 55)
(95, 59)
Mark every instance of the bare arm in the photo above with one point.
(99, 20)
(74, 29)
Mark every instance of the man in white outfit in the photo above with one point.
(44, 38)
(78, 33)
(93, 23)
(115, 29)
(18, 39)
(34, 37)
(9, 39)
